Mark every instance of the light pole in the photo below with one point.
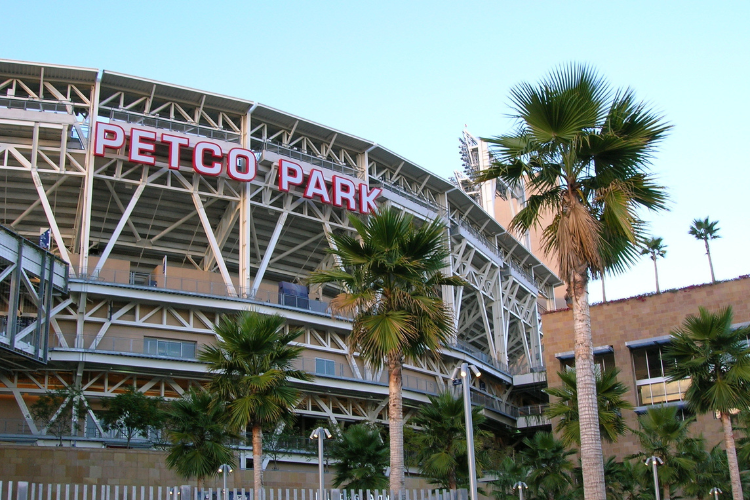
(318, 434)
(715, 492)
(466, 382)
(520, 486)
(653, 461)
(224, 469)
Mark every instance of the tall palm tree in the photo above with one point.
(662, 433)
(361, 459)
(716, 359)
(198, 435)
(252, 363)
(581, 150)
(550, 469)
(610, 403)
(705, 230)
(654, 248)
(391, 275)
(441, 442)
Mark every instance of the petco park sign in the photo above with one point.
(240, 164)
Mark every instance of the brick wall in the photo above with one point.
(615, 323)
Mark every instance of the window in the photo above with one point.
(603, 362)
(169, 348)
(325, 367)
(651, 380)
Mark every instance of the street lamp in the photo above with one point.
(653, 461)
(520, 486)
(466, 376)
(319, 435)
(224, 469)
(715, 492)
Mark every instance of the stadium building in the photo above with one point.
(160, 208)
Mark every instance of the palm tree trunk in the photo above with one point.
(734, 469)
(591, 442)
(710, 263)
(396, 422)
(656, 274)
(258, 461)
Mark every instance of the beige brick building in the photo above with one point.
(629, 333)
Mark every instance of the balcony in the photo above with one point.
(156, 121)
(296, 154)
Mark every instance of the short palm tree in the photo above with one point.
(251, 363)
(361, 459)
(705, 230)
(654, 248)
(198, 435)
(716, 359)
(391, 275)
(581, 150)
(609, 395)
(662, 433)
(550, 469)
(509, 471)
(441, 441)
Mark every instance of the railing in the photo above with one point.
(116, 344)
(205, 287)
(21, 323)
(295, 154)
(533, 410)
(494, 403)
(15, 426)
(169, 124)
(479, 355)
(415, 197)
(478, 234)
(23, 490)
(39, 105)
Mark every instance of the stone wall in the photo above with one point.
(108, 466)
(615, 323)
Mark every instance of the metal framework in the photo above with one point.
(157, 254)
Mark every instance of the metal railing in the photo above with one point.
(493, 403)
(153, 281)
(477, 354)
(39, 105)
(109, 343)
(533, 410)
(169, 124)
(413, 196)
(296, 154)
(15, 426)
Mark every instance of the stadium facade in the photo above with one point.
(163, 208)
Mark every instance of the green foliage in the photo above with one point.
(198, 436)
(704, 229)
(716, 359)
(360, 458)
(664, 434)
(441, 442)
(581, 150)
(654, 247)
(392, 273)
(131, 413)
(58, 411)
(509, 471)
(610, 401)
(252, 364)
(550, 469)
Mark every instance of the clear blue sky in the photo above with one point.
(409, 75)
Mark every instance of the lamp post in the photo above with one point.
(320, 433)
(224, 469)
(653, 461)
(520, 486)
(715, 492)
(466, 382)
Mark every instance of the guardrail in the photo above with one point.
(479, 356)
(413, 196)
(296, 154)
(168, 124)
(39, 105)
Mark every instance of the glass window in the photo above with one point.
(651, 380)
(325, 366)
(169, 348)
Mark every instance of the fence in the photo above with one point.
(23, 490)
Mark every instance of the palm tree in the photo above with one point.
(581, 151)
(654, 248)
(662, 433)
(252, 364)
(550, 470)
(198, 435)
(509, 472)
(716, 359)
(610, 402)
(391, 274)
(441, 442)
(705, 230)
(361, 459)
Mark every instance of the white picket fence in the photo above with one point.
(23, 490)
